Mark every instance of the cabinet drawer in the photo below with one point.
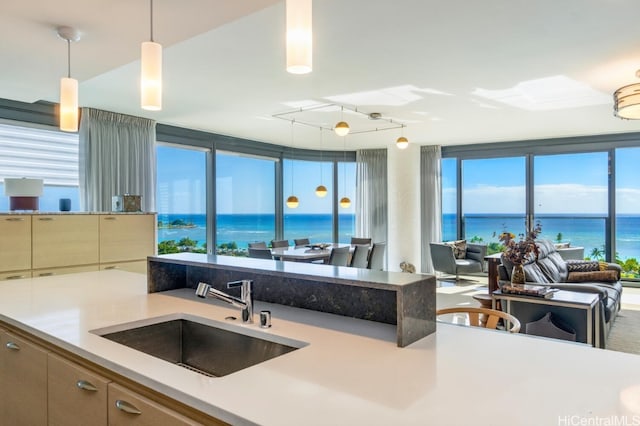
(63, 271)
(14, 275)
(15, 244)
(62, 240)
(139, 266)
(77, 397)
(127, 237)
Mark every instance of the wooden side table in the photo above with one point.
(493, 261)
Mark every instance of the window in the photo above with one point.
(449, 200)
(181, 199)
(245, 201)
(347, 188)
(313, 218)
(627, 236)
(41, 153)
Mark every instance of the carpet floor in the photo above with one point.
(625, 333)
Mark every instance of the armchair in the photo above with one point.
(444, 260)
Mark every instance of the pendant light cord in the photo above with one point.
(151, 19)
(68, 58)
(320, 155)
(292, 160)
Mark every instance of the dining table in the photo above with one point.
(308, 253)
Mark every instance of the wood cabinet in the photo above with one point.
(126, 237)
(129, 408)
(76, 396)
(14, 275)
(15, 244)
(23, 378)
(139, 267)
(64, 240)
(47, 272)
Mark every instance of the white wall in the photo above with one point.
(403, 174)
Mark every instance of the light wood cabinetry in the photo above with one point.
(15, 243)
(126, 237)
(77, 396)
(47, 272)
(64, 240)
(23, 378)
(14, 275)
(129, 408)
(139, 267)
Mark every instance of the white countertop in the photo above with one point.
(351, 373)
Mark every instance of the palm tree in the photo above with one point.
(597, 253)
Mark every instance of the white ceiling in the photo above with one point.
(455, 72)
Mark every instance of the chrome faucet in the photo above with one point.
(245, 302)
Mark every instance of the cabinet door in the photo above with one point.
(63, 271)
(129, 408)
(23, 374)
(76, 396)
(15, 244)
(14, 275)
(139, 266)
(64, 240)
(127, 237)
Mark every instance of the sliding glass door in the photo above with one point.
(627, 237)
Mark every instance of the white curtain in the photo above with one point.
(371, 194)
(431, 201)
(117, 156)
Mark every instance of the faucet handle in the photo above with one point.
(238, 283)
(202, 290)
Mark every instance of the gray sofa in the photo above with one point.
(552, 270)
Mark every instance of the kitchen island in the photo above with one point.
(350, 372)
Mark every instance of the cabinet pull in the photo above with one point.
(15, 277)
(110, 267)
(45, 218)
(127, 407)
(84, 385)
(15, 219)
(13, 346)
(110, 218)
(45, 274)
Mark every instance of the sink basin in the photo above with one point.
(208, 347)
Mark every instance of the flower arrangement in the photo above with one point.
(522, 250)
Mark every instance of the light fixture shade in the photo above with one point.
(321, 191)
(341, 128)
(68, 104)
(299, 36)
(23, 187)
(402, 142)
(345, 202)
(626, 102)
(151, 76)
(292, 202)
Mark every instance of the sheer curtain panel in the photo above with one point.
(431, 201)
(117, 156)
(371, 194)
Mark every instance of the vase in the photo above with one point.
(517, 274)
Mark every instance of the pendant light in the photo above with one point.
(321, 190)
(299, 36)
(402, 142)
(345, 202)
(626, 101)
(68, 86)
(151, 72)
(292, 201)
(342, 127)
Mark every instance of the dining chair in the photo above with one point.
(360, 256)
(482, 317)
(301, 242)
(360, 241)
(279, 243)
(339, 256)
(258, 245)
(376, 258)
(260, 253)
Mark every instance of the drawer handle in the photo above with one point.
(127, 407)
(84, 385)
(110, 267)
(15, 219)
(13, 346)
(15, 277)
(45, 274)
(45, 218)
(110, 218)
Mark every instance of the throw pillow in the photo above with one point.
(583, 266)
(603, 265)
(459, 248)
(602, 276)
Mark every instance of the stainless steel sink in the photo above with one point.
(208, 347)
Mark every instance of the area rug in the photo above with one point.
(625, 333)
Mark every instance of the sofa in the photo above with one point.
(552, 270)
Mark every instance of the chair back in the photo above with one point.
(301, 242)
(376, 258)
(260, 253)
(279, 243)
(258, 244)
(360, 257)
(339, 256)
(483, 317)
(356, 241)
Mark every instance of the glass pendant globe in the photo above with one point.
(292, 202)
(342, 128)
(402, 142)
(345, 202)
(321, 191)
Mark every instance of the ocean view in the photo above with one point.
(585, 231)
